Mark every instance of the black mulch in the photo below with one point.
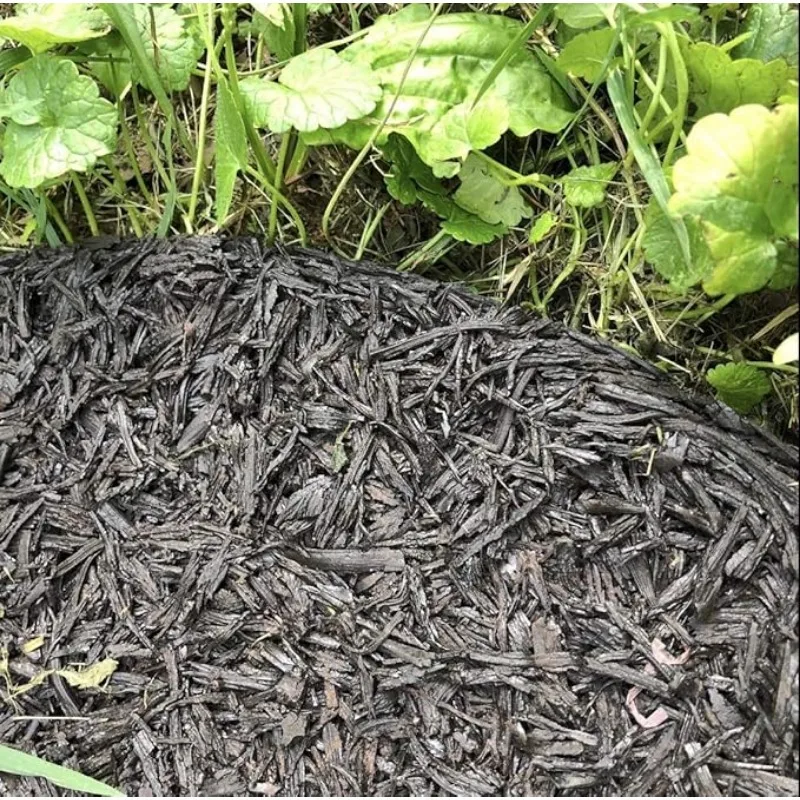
(348, 532)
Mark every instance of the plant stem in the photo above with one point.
(199, 165)
(277, 186)
(85, 204)
(356, 163)
(257, 146)
(260, 178)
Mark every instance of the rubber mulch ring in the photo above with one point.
(351, 532)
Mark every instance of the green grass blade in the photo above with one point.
(122, 18)
(646, 159)
(18, 763)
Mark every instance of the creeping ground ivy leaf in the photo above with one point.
(41, 26)
(741, 386)
(482, 194)
(740, 180)
(543, 225)
(585, 187)
(462, 129)
(169, 42)
(71, 128)
(663, 251)
(585, 55)
(718, 83)
(462, 225)
(318, 89)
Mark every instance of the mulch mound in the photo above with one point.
(349, 532)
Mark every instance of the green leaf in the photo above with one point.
(585, 15)
(677, 12)
(647, 160)
(231, 150)
(740, 173)
(15, 762)
(109, 61)
(741, 386)
(168, 43)
(46, 25)
(482, 194)
(71, 128)
(456, 55)
(461, 130)
(407, 174)
(544, 223)
(787, 351)
(318, 89)
(275, 22)
(743, 262)
(720, 84)
(460, 223)
(585, 187)
(585, 56)
(774, 32)
(662, 249)
(787, 266)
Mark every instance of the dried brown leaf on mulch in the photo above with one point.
(348, 532)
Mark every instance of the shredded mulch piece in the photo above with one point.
(351, 532)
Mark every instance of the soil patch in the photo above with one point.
(349, 532)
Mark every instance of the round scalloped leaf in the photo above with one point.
(173, 49)
(318, 89)
(70, 129)
(740, 173)
(45, 25)
(741, 386)
(482, 194)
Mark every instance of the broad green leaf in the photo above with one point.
(741, 386)
(71, 129)
(585, 15)
(456, 55)
(459, 223)
(25, 110)
(585, 55)
(318, 89)
(46, 25)
(774, 32)
(788, 350)
(482, 194)
(15, 762)
(719, 84)
(169, 44)
(231, 150)
(787, 266)
(91, 677)
(585, 187)
(461, 130)
(662, 249)
(743, 262)
(740, 173)
(109, 61)
(544, 223)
